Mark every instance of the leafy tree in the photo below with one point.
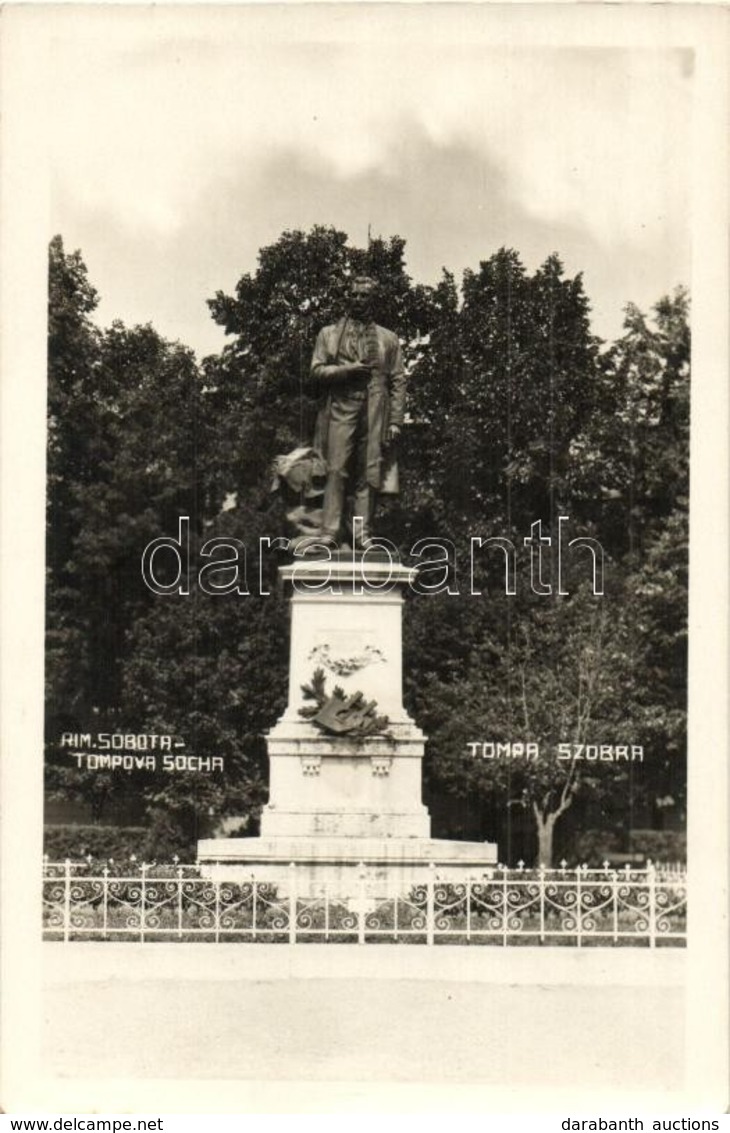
(630, 463)
(75, 444)
(213, 671)
(510, 382)
(534, 661)
(124, 426)
(564, 672)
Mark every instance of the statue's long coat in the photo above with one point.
(349, 341)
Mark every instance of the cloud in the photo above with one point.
(585, 137)
(177, 156)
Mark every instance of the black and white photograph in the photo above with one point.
(365, 410)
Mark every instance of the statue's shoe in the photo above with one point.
(363, 541)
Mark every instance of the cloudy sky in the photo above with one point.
(181, 143)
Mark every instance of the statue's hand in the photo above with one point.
(393, 432)
(356, 370)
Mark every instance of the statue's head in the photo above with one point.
(363, 289)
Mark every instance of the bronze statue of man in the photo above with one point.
(359, 367)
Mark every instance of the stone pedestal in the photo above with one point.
(337, 802)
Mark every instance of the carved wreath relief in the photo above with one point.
(346, 666)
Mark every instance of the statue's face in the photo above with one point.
(361, 299)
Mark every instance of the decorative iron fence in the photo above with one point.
(578, 906)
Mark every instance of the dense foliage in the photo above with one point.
(518, 414)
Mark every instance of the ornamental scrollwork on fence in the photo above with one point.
(501, 906)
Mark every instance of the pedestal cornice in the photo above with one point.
(347, 572)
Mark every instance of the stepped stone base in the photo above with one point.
(391, 865)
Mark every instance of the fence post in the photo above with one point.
(430, 903)
(542, 902)
(469, 883)
(66, 899)
(326, 895)
(105, 913)
(504, 906)
(142, 911)
(651, 879)
(614, 890)
(361, 904)
(179, 901)
(578, 906)
(292, 903)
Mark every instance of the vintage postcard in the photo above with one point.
(365, 604)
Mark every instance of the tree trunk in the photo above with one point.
(545, 829)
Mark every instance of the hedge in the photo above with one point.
(593, 847)
(102, 842)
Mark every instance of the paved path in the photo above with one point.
(204, 1012)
